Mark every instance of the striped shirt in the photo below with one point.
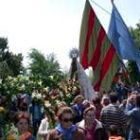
(113, 115)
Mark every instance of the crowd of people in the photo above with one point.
(110, 116)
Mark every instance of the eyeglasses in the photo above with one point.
(67, 120)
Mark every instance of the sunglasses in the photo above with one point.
(67, 120)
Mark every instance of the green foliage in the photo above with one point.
(10, 64)
(44, 73)
(135, 32)
(4, 123)
(133, 71)
(59, 97)
(45, 69)
(132, 67)
(19, 84)
(15, 64)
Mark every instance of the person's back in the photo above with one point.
(113, 115)
(134, 114)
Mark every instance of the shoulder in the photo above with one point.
(74, 107)
(79, 134)
(80, 130)
(135, 111)
(98, 124)
(81, 124)
(45, 120)
(30, 106)
(105, 108)
(111, 107)
(52, 132)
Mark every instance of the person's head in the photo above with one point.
(113, 97)
(59, 105)
(113, 130)
(78, 99)
(138, 100)
(65, 117)
(86, 103)
(131, 99)
(89, 114)
(97, 101)
(62, 104)
(23, 106)
(105, 100)
(22, 121)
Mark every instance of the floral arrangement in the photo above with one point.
(52, 100)
(7, 130)
(64, 95)
(13, 133)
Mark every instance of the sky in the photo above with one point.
(53, 26)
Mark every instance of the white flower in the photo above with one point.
(47, 104)
(46, 89)
(39, 96)
(33, 94)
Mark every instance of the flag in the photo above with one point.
(96, 50)
(121, 39)
(86, 86)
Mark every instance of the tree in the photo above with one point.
(45, 69)
(10, 64)
(131, 65)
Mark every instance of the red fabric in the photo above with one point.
(97, 53)
(98, 112)
(90, 133)
(25, 136)
(105, 66)
(91, 21)
(116, 79)
(103, 55)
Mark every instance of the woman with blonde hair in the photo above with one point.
(92, 127)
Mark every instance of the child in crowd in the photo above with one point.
(113, 134)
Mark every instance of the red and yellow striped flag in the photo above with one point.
(96, 50)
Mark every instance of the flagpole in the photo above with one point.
(121, 61)
(125, 69)
(112, 1)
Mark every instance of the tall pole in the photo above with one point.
(112, 1)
